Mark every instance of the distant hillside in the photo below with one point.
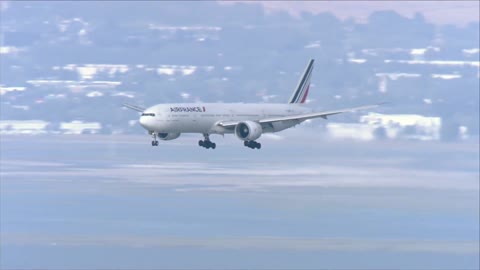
(437, 12)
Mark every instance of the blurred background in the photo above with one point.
(66, 67)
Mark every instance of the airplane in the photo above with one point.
(247, 121)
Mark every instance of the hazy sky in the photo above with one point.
(442, 12)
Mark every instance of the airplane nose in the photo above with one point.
(143, 122)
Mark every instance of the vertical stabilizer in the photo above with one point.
(301, 91)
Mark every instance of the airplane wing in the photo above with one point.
(134, 107)
(301, 117)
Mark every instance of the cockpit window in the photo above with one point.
(148, 114)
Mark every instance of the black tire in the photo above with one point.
(153, 143)
(200, 143)
(213, 145)
(245, 143)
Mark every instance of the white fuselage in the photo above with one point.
(203, 117)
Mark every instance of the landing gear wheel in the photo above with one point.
(206, 143)
(252, 144)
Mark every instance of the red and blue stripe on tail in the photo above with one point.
(301, 91)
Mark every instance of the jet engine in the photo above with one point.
(168, 136)
(248, 130)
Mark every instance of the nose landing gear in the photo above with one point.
(207, 143)
(252, 144)
(154, 142)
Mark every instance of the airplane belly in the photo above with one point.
(197, 125)
(191, 124)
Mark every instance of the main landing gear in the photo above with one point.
(154, 142)
(252, 144)
(207, 143)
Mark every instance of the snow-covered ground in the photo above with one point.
(436, 62)
(32, 127)
(4, 89)
(391, 126)
(36, 127)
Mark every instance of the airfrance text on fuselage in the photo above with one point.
(187, 109)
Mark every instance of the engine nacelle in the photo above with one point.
(248, 130)
(168, 136)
